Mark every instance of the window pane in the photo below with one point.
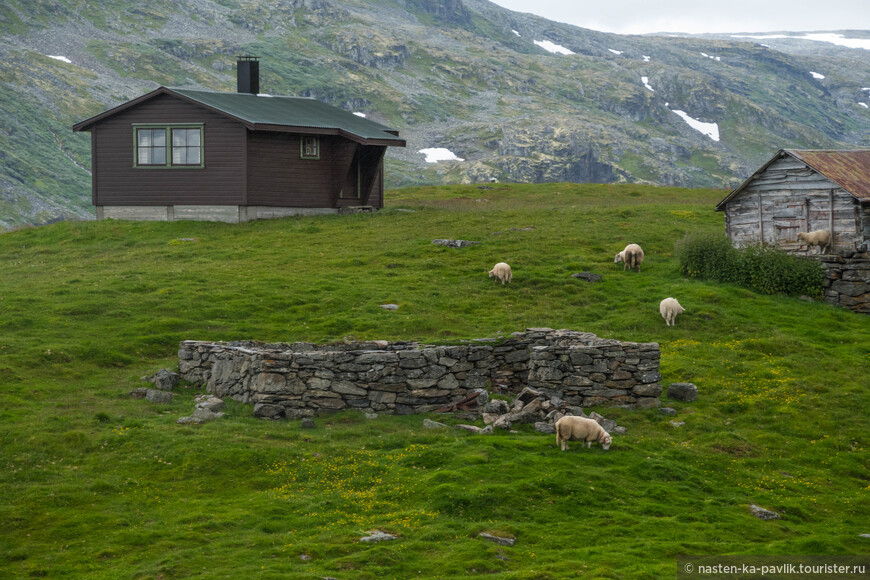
(193, 157)
(179, 137)
(144, 156)
(193, 137)
(158, 156)
(158, 137)
(144, 137)
(179, 155)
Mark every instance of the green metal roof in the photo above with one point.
(262, 112)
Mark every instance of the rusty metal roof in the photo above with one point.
(847, 169)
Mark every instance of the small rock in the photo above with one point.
(378, 536)
(304, 557)
(471, 428)
(678, 423)
(164, 379)
(545, 428)
(371, 415)
(762, 513)
(588, 276)
(156, 396)
(502, 423)
(206, 415)
(489, 418)
(430, 424)
(390, 306)
(501, 540)
(683, 392)
(190, 421)
(453, 243)
(864, 536)
(667, 411)
(210, 402)
(308, 423)
(496, 407)
(619, 430)
(139, 393)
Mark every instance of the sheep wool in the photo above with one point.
(571, 428)
(669, 308)
(502, 272)
(631, 256)
(820, 238)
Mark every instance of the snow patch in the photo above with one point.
(517, 33)
(60, 58)
(711, 130)
(552, 47)
(264, 95)
(436, 154)
(817, 75)
(716, 58)
(616, 52)
(645, 58)
(358, 114)
(831, 37)
(645, 81)
(864, 105)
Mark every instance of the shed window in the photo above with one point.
(186, 146)
(310, 147)
(168, 146)
(151, 146)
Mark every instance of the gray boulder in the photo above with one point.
(763, 514)
(156, 396)
(686, 392)
(164, 379)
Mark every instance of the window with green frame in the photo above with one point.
(168, 145)
(309, 147)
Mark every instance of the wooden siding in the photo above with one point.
(117, 183)
(278, 176)
(789, 198)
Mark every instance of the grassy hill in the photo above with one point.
(466, 75)
(99, 485)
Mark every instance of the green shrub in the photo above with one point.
(764, 269)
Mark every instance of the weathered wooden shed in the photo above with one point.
(801, 191)
(177, 154)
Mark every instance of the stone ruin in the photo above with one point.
(574, 369)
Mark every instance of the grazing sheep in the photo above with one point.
(669, 307)
(571, 428)
(631, 256)
(502, 272)
(820, 238)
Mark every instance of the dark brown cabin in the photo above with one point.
(177, 154)
(802, 191)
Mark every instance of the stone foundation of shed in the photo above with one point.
(214, 213)
(847, 281)
(303, 379)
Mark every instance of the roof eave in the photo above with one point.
(88, 123)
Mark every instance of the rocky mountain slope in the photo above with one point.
(516, 97)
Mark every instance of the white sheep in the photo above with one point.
(669, 307)
(571, 428)
(820, 238)
(631, 256)
(502, 272)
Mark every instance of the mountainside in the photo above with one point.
(496, 88)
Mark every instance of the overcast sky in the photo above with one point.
(695, 16)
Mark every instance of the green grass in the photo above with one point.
(98, 485)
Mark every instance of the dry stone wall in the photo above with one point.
(303, 379)
(847, 282)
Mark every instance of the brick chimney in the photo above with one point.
(248, 72)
